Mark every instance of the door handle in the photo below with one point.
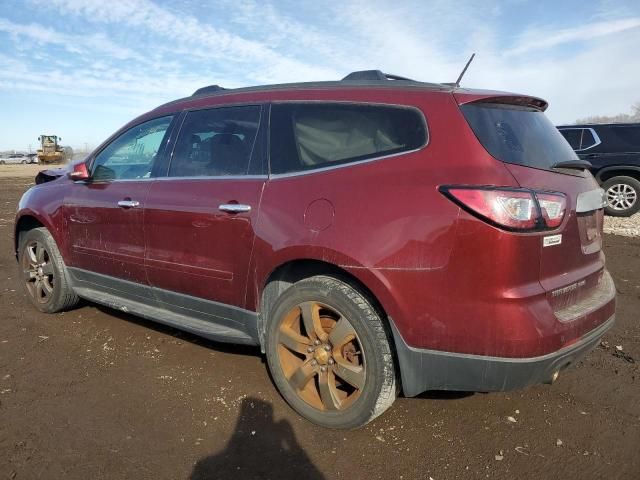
(128, 203)
(234, 208)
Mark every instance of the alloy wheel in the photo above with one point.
(621, 196)
(321, 356)
(38, 272)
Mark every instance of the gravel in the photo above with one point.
(627, 226)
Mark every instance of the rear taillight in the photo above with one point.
(513, 209)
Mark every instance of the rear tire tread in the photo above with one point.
(379, 336)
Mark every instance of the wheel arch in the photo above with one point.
(291, 271)
(25, 223)
(608, 173)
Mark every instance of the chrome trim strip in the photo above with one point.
(277, 176)
(216, 177)
(200, 177)
(591, 200)
(596, 137)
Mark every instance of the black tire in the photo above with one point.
(616, 207)
(52, 277)
(379, 387)
(1, 162)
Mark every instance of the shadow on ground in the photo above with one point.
(260, 448)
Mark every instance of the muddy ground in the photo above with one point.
(97, 394)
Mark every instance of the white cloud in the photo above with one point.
(74, 44)
(138, 54)
(198, 38)
(541, 39)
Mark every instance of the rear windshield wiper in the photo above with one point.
(577, 164)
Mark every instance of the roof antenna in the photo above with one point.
(464, 70)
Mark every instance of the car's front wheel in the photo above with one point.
(622, 196)
(329, 353)
(44, 275)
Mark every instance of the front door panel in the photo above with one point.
(199, 220)
(107, 238)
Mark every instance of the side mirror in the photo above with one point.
(79, 172)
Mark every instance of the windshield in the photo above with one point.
(518, 135)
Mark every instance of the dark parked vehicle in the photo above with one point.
(371, 235)
(614, 152)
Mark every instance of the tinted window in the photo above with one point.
(132, 154)
(518, 135)
(621, 138)
(572, 136)
(309, 136)
(588, 140)
(217, 142)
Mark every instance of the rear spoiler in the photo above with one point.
(464, 98)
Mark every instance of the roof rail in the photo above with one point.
(208, 89)
(374, 75)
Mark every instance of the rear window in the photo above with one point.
(518, 135)
(307, 136)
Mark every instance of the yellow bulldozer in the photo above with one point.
(51, 151)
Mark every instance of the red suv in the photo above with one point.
(371, 235)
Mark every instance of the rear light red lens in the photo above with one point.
(510, 208)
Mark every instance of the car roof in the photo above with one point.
(215, 91)
(361, 80)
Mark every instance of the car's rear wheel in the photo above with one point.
(329, 353)
(622, 196)
(44, 275)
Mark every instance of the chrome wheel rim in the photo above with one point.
(321, 356)
(621, 196)
(37, 271)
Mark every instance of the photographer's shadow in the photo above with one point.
(259, 449)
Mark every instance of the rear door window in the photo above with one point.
(218, 142)
(307, 136)
(518, 135)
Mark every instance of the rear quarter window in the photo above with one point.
(308, 136)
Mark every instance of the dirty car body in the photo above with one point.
(481, 257)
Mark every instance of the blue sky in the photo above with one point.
(82, 68)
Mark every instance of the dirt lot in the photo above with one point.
(93, 393)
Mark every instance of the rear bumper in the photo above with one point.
(423, 370)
